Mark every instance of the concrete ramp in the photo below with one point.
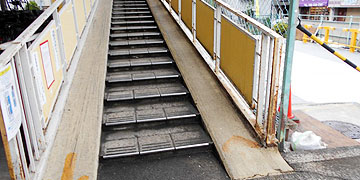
(238, 148)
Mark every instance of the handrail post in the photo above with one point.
(179, 9)
(290, 43)
(348, 34)
(194, 19)
(217, 37)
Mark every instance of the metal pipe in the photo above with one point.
(290, 43)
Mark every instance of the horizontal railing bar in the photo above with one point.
(316, 15)
(15, 45)
(252, 21)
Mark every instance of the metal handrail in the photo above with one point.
(252, 21)
(16, 44)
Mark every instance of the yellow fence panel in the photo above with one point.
(175, 5)
(237, 54)
(205, 26)
(186, 12)
(68, 31)
(48, 72)
(80, 15)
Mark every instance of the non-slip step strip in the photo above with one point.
(134, 34)
(130, 9)
(137, 51)
(134, 28)
(132, 22)
(122, 95)
(149, 115)
(154, 143)
(136, 42)
(130, 5)
(130, 17)
(121, 63)
(128, 2)
(114, 77)
(130, 12)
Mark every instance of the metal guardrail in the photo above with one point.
(338, 22)
(324, 45)
(32, 71)
(256, 94)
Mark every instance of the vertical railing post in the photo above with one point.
(348, 34)
(217, 37)
(264, 56)
(194, 19)
(60, 40)
(75, 20)
(179, 8)
(290, 43)
(170, 8)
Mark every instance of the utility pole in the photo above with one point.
(290, 43)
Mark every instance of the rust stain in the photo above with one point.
(84, 178)
(69, 166)
(239, 139)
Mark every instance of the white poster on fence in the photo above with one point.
(56, 51)
(47, 64)
(9, 102)
(38, 80)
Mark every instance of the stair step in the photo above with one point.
(130, 17)
(144, 91)
(128, 76)
(148, 111)
(132, 22)
(130, 9)
(129, 2)
(130, 142)
(134, 34)
(130, 5)
(137, 51)
(134, 62)
(136, 42)
(134, 28)
(130, 12)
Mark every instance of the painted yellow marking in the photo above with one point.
(5, 71)
(358, 68)
(340, 56)
(69, 166)
(84, 178)
(317, 39)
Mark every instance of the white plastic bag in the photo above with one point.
(307, 140)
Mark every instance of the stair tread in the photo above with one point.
(135, 42)
(129, 8)
(130, 22)
(128, 113)
(131, 17)
(130, 12)
(134, 75)
(133, 62)
(134, 34)
(133, 28)
(137, 51)
(129, 4)
(144, 91)
(143, 141)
